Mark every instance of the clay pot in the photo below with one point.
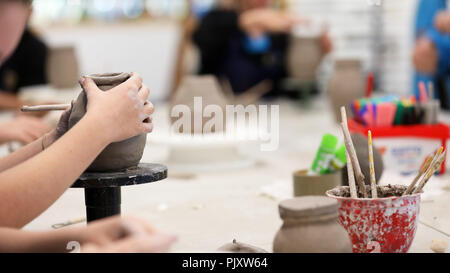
(62, 67)
(382, 225)
(119, 155)
(304, 57)
(345, 85)
(305, 184)
(208, 89)
(310, 226)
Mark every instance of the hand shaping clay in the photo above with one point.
(119, 155)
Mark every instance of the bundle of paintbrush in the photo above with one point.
(431, 165)
(392, 110)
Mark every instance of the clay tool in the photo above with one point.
(419, 175)
(41, 108)
(430, 171)
(351, 150)
(373, 182)
(69, 223)
(369, 86)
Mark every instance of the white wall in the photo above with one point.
(149, 48)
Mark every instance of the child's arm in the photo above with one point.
(29, 188)
(115, 234)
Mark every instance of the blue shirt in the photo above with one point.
(427, 10)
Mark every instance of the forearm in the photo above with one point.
(17, 241)
(29, 188)
(25, 152)
(9, 101)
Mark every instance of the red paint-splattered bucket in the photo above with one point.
(383, 225)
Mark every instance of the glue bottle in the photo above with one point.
(325, 154)
(339, 160)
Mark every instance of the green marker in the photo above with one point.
(325, 154)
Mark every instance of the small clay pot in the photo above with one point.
(304, 57)
(305, 184)
(116, 156)
(345, 85)
(62, 67)
(310, 226)
(207, 89)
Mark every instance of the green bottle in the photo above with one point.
(339, 160)
(325, 154)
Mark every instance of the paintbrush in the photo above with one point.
(434, 168)
(373, 182)
(419, 175)
(351, 150)
(40, 108)
(430, 171)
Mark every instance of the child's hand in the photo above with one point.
(124, 234)
(425, 56)
(24, 129)
(442, 21)
(122, 112)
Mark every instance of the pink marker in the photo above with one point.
(423, 92)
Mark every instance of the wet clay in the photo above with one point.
(119, 155)
(310, 226)
(382, 191)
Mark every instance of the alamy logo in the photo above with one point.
(239, 122)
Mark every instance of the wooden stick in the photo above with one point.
(429, 171)
(351, 176)
(351, 149)
(353, 158)
(40, 108)
(419, 175)
(373, 182)
(434, 168)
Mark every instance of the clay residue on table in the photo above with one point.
(382, 191)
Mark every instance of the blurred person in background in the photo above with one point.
(25, 67)
(22, 63)
(245, 42)
(431, 55)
